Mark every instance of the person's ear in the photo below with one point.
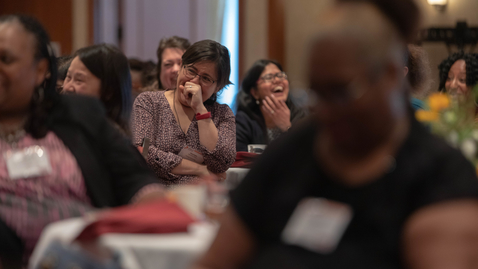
(41, 71)
(405, 71)
(255, 93)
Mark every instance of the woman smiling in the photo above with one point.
(265, 109)
(191, 134)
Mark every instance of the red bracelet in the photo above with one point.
(203, 116)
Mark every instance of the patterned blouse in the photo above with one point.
(153, 118)
(27, 205)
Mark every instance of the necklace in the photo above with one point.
(13, 134)
(174, 106)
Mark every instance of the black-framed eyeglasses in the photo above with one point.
(191, 74)
(271, 77)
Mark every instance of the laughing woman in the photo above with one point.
(191, 134)
(265, 108)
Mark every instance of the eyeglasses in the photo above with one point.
(191, 74)
(271, 77)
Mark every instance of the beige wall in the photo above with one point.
(456, 10)
(255, 38)
(301, 17)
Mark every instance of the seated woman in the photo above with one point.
(59, 155)
(458, 73)
(102, 71)
(170, 51)
(265, 108)
(418, 73)
(191, 134)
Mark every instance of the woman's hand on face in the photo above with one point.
(278, 111)
(192, 93)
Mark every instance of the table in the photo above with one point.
(138, 251)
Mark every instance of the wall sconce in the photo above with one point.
(438, 4)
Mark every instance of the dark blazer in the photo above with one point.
(113, 169)
(250, 124)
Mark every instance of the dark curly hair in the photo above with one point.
(45, 96)
(471, 60)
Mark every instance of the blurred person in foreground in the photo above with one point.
(418, 74)
(170, 51)
(59, 155)
(265, 109)
(102, 71)
(191, 134)
(361, 184)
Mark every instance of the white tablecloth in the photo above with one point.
(138, 251)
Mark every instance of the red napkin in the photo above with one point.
(160, 216)
(244, 159)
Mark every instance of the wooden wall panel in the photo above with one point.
(55, 15)
(276, 31)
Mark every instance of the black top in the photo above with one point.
(113, 169)
(426, 171)
(250, 124)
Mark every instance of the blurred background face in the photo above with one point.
(353, 108)
(170, 66)
(81, 81)
(268, 84)
(136, 82)
(19, 72)
(456, 81)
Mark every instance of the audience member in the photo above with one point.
(102, 71)
(191, 134)
(265, 109)
(136, 70)
(361, 184)
(169, 55)
(418, 72)
(63, 64)
(458, 73)
(59, 155)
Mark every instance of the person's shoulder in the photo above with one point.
(221, 110)
(298, 140)
(150, 98)
(80, 105)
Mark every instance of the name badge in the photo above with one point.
(192, 155)
(317, 224)
(28, 162)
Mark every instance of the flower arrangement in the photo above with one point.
(453, 118)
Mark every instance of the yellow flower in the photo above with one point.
(426, 116)
(438, 101)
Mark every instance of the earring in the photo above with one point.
(39, 95)
(258, 102)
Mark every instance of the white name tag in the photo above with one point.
(317, 224)
(28, 162)
(192, 155)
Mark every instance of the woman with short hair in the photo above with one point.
(191, 134)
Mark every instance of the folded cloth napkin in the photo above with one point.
(161, 216)
(244, 159)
